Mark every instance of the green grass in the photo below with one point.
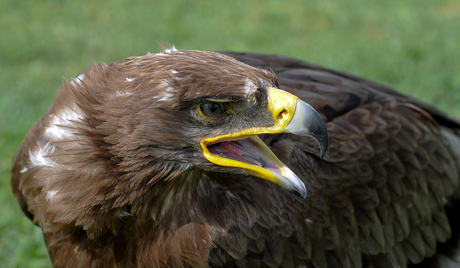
(413, 46)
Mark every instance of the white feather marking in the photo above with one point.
(164, 53)
(58, 129)
(123, 93)
(164, 84)
(168, 92)
(23, 170)
(51, 195)
(169, 50)
(166, 96)
(249, 87)
(57, 132)
(308, 220)
(174, 71)
(77, 81)
(40, 157)
(157, 54)
(129, 79)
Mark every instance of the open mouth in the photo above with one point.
(246, 150)
(250, 153)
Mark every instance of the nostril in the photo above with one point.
(281, 115)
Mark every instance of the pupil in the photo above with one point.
(213, 107)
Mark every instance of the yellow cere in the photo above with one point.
(282, 105)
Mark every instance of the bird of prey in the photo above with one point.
(205, 159)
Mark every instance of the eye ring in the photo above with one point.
(212, 109)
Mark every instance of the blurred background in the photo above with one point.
(412, 46)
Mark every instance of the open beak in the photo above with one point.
(243, 149)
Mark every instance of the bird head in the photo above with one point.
(129, 136)
(197, 110)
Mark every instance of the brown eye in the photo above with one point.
(213, 109)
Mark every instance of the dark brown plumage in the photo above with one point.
(115, 176)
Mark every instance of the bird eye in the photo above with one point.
(213, 109)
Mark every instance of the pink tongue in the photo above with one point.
(244, 151)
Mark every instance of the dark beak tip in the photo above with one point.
(301, 192)
(302, 195)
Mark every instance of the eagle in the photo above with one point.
(202, 159)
